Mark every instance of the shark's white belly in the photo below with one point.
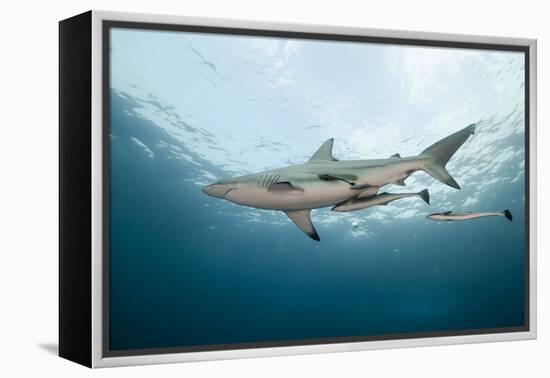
(313, 196)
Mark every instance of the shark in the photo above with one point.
(324, 181)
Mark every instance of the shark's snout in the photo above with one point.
(217, 190)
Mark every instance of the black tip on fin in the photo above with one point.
(508, 214)
(315, 236)
(453, 184)
(425, 195)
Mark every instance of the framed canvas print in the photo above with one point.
(237, 189)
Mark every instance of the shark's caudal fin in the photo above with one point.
(425, 195)
(441, 152)
(303, 221)
(508, 214)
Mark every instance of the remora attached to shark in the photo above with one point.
(324, 181)
(381, 199)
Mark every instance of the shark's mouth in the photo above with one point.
(228, 190)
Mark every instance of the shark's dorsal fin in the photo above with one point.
(446, 212)
(303, 221)
(323, 153)
(395, 156)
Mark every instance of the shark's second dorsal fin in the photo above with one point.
(323, 153)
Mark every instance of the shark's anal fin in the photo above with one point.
(285, 187)
(303, 221)
(350, 179)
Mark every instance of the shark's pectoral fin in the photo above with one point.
(350, 179)
(303, 221)
(285, 187)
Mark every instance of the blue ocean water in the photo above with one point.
(190, 270)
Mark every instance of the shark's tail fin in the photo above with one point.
(508, 214)
(425, 195)
(440, 153)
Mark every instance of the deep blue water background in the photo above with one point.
(186, 274)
